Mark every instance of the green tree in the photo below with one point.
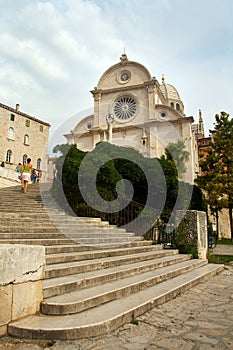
(154, 181)
(170, 173)
(217, 167)
(210, 184)
(67, 166)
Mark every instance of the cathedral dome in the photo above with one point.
(169, 92)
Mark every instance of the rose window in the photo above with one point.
(125, 108)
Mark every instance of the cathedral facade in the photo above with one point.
(132, 109)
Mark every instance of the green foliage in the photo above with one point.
(112, 163)
(220, 259)
(198, 200)
(170, 173)
(217, 180)
(134, 321)
(184, 241)
(226, 241)
(177, 153)
(67, 166)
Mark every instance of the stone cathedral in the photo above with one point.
(132, 109)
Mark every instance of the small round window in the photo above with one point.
(89, 126)
(124, 77)
(163, 115)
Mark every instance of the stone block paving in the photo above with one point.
(199, 319)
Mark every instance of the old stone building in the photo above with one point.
(132, 109)
(22, 136)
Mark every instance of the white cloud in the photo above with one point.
(54, 52)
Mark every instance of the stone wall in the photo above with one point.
(8, 174)
(21, 273)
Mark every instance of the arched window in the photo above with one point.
(177, 107)
(38, 163)
(25, 157)
(8, 156)
(11, 133)
(26, 139)
(172, 104)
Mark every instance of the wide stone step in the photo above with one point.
(87, 227)
(109, 316)
(49, 241)
(113, 244)
(32, 235)
(21, 209)
(104, 239)
(22, 204)
(80, 300)
(63, 269)
(78, 247)
(44, 219)
(75, 229)
(21, 216)
(98, 234)
(96, 254)
(30, 229)
(68, 283)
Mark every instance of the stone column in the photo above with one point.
(196, 226)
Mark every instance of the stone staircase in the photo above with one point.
(7, 182)
(37, 219)
(97, 277)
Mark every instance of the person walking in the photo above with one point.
(39, 175)
(26, 174)
(19, 169)
(34, 176)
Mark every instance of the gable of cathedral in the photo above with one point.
(131, 108)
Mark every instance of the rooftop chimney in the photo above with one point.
(17, 107)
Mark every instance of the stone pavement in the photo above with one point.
(223, 249)
(199, 319)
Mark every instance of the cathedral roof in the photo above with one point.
(169, 92)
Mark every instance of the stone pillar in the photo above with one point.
(196, 225)
(21, 273)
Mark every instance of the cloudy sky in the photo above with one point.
(53, 52)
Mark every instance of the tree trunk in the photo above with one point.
(217, 229)
(231, 222)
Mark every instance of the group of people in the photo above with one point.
(26, 172)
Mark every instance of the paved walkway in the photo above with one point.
(223, 249)
(200, 319)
